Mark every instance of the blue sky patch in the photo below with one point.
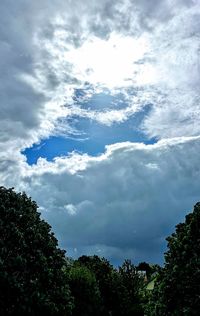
(93, 140)
(100, 101)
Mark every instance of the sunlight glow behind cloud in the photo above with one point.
(110, 62)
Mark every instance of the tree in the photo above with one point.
(177, 291)
(132, 282)
(103, 272)
(119, 288)
(85, 290)
(32, 280)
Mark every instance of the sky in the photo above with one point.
(100, 119)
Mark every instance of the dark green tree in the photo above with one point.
(132, 282)
(177, 291)
(120, 289)
(103, 272)
(32, 280)
(85, 290)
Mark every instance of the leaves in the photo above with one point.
(178, 284)
(31, 278)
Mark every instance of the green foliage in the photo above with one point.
(178, 285)
(132, 282)
(84, 288)
(103, 272)
(32, 280)
(119, 288)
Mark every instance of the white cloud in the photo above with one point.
(177, 104)
(71, 209)
(107, 62)
(161, 57)
(146, 45)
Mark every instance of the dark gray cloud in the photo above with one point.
(128, 202)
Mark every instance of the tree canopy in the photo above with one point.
(85, 290)
(119, 288)
(32, 281)
(178, 284)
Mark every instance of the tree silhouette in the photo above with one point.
(178, 285)
(32, 281)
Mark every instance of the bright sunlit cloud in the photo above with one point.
(112, 63)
